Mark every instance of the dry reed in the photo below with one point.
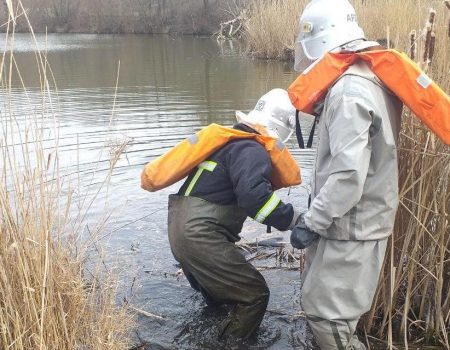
(413, 44)
(412, 303)
(447, 4)
(50, 299)
(413, 300)
(271, 27)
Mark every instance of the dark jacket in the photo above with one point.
(242, 176)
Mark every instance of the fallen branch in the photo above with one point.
(300, 314)
(263, 268)
(232, 28)
(146, 313)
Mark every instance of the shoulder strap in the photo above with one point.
(311, 133)
(298, 132)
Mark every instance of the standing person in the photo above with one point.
(355, 181)
(207, 214)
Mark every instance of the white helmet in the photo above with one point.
(324, 25)
(273, 115)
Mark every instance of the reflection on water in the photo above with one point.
(167, 88)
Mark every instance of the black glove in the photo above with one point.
(301, 235)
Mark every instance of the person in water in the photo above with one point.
(206, 215)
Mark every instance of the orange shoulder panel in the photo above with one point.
(312, 85)
(179, 161)
(285, 170)
(416, 90)
(400, 74)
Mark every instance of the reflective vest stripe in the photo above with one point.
(206, 165)
(267, 208)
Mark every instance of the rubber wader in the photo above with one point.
(202, 237)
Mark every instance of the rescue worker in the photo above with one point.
(355, 181)
(207, 214)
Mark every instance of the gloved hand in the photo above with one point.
(301, 235)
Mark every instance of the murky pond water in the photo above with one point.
(153, 91)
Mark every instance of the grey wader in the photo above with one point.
(202, 237)
(354, 201)
(339, 283)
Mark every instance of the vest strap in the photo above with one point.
(298, 131)
(311, 133)
(206, 165)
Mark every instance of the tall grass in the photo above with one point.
(413, 299)
(412, 303)
(273, 25)
(49, 298)
(271, 28)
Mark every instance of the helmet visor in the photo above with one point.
(282, 134)
(302, 61)
(278, 129)
(265, 125)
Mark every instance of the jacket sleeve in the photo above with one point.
(348, 127)
(250, 171)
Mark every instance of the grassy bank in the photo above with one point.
(413, 300)
(54, 295)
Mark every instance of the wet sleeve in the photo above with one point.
(350, 147)
(250, 171)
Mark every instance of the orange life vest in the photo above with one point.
(399, 73)
(178, 162)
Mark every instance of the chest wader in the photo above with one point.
(202, 237)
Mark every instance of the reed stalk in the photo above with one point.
(51, 298)
(417, 305)
(447, 4)
(413, 44)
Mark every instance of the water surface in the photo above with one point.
(151, 92)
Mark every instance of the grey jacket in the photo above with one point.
(355, 180)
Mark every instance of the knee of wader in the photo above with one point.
(264, 295)
(307, 300)
(258, 294)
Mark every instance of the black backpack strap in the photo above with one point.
(298, 131)
(311, 133)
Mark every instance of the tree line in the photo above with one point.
(122, 16)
